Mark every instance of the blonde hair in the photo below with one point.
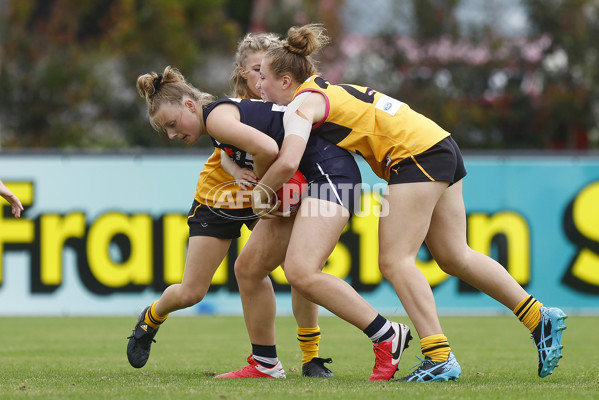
(294, 56)
(251, 43)
(169, 87)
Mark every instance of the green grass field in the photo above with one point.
(85, 358)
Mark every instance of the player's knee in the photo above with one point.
(242, 270)
(297, 278)
(392, 266)
(245, 270)
(452, 263)
(453, 267)
(388, 266)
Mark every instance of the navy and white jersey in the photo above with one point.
(332, 172)
(268, 118)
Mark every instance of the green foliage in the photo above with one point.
(573, 91)
(84, 358)
(548, 99)
(69, 68)
(434, 16)
(491, 88)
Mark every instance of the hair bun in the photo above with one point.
(306, 39)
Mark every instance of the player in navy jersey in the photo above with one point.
(185, 113)
(268, 118)
(213, 227)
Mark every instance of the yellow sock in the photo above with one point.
(152, 318)
(528, 312)
(436, 347)
(308, 341)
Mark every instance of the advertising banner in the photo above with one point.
(106, 234)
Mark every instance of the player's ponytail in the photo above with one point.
(295, 56)
(169, 87)
(306, 39)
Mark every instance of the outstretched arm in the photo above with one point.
(13, 200)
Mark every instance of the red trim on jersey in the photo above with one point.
(326, 111)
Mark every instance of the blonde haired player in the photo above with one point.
(209, 245)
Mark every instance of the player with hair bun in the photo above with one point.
(424, 170)
(312, 234)
(244, 77)
(211, 233)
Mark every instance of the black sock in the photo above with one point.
(379, 330)
(265, 355)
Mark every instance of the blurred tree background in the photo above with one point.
(498, 74)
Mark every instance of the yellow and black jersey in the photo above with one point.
(380, 128)
(213, 175)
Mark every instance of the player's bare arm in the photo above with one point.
(224, 125)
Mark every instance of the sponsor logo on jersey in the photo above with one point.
(388, 104)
